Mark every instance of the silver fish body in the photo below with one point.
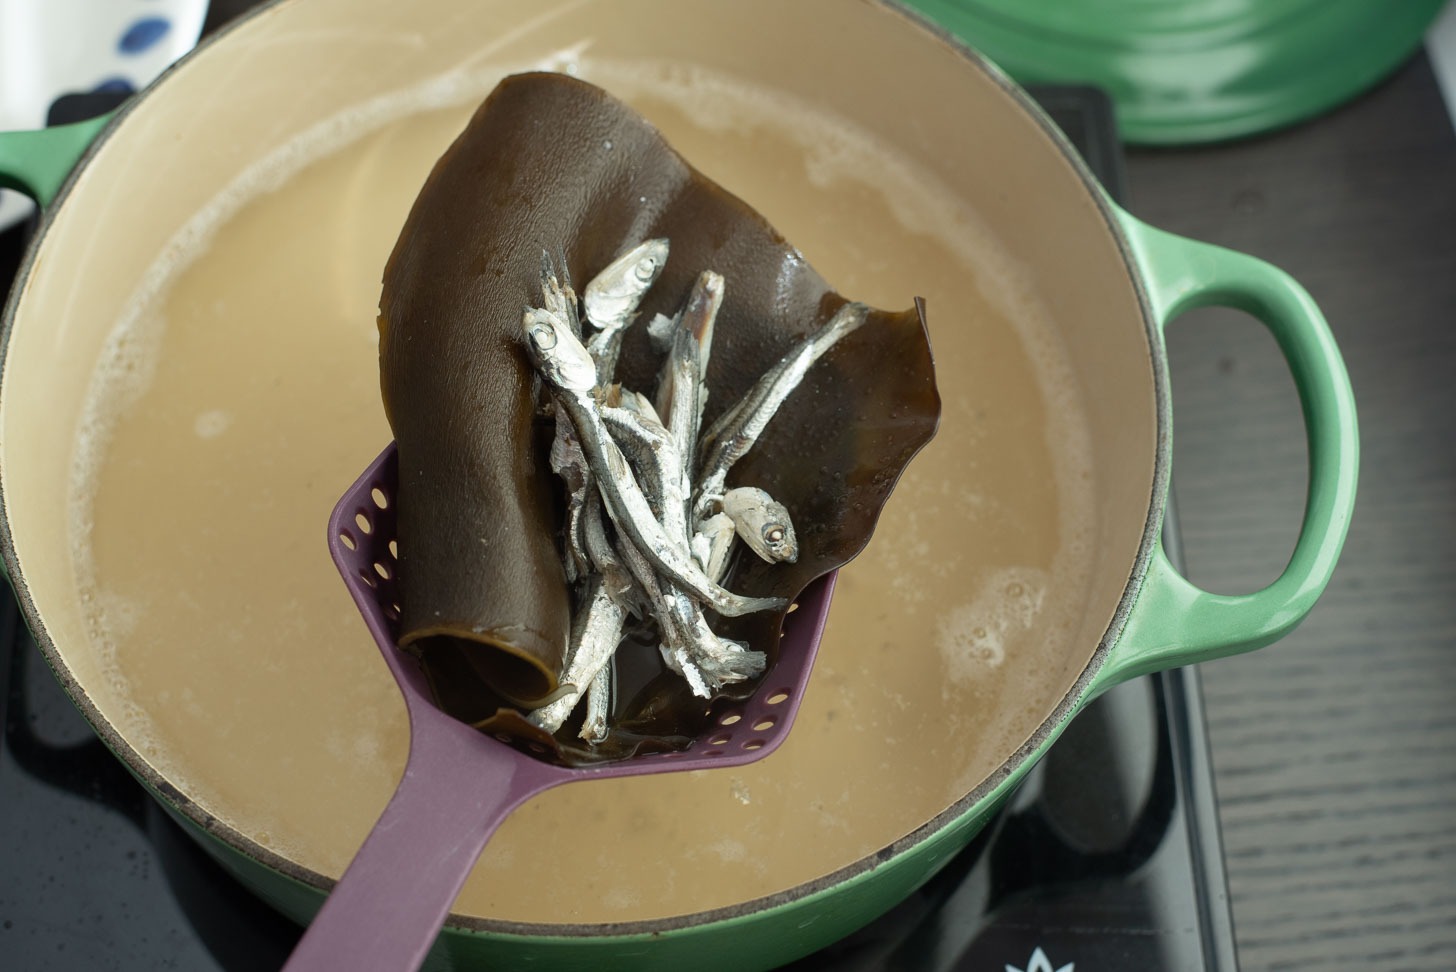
(721, 661)
(564, 363)
(682, 389)
(642, 464)
(657, 462)
(640, 405)
(689, 647)
(606, 350)
(603, 558)
(569, 462)
(737, 430)
(659, 332)
(598, 706)
(672, 649)
(630, 511)
(713, 545)
(596, 632)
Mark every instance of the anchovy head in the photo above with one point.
(559, 355)
(650, 258)
(612, 295)
(763, 523)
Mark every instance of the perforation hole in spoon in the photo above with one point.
(362, 538)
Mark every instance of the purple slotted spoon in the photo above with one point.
(460, 784)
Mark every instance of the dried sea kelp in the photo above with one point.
(550, 161)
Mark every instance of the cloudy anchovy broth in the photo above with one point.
(242, 397)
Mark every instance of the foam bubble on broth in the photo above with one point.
(802, 813)
(1002, 605)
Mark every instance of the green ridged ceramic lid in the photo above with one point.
(1201, 70)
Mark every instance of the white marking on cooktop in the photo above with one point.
(1040, 963)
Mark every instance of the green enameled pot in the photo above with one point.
(223, 235)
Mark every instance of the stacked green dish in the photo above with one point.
(1198, 71)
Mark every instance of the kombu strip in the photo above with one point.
(550, 161)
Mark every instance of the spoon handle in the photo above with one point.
(387, 909)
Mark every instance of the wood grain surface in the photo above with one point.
(1335, 750)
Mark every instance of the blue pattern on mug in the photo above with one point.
(143, 34)
(114, 85)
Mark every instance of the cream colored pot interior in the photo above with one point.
(191, 382)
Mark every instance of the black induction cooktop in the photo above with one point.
(1108, 858)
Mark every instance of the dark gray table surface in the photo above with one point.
(1335, 750)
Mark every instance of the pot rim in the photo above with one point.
(942, 824)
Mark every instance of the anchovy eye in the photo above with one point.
(544, 338)
(773, 533)
(645, 268)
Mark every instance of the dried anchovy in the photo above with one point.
(763, 523)
(642, 464)
(564, 364)
(611, 300)
(735, 433)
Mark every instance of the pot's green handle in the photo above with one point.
(1173, 622)
(37, 162)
